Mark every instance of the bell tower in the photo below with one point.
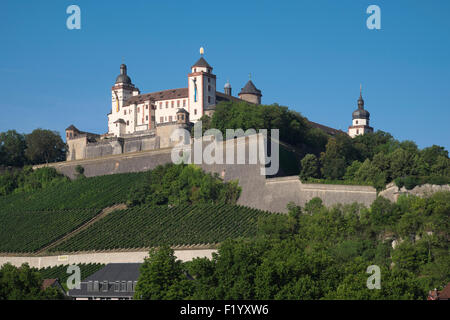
(360, 119)
(122, 89)
(201, 88)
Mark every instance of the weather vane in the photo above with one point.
(202, 51)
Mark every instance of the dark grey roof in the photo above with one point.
(116, 271)
(123, 77)
(250, 88)
(201, 63)
(182, 110)
(120, 121)
(361, 113)
(112, 272)
(72, 127)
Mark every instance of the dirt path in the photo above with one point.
(101, 215)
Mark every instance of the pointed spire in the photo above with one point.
(360, 100)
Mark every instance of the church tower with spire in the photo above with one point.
(360, 121)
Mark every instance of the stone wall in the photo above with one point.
(99, 257)
(257, 192)
(392, 192)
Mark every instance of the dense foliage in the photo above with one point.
(154, 226)
(182, 184)
(24, 283)
(29, 180)
(40, 146)
(294, 128)
(377, 159)
(319, 253)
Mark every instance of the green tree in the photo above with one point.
(24, 283)
(12, 149)
(44, 146)
(162, 277)
(310, 167)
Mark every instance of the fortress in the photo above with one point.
(140, 127)
(142, 122)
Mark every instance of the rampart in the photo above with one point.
(271, 194)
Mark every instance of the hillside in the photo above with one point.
(70, 215)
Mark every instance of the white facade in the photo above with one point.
(139, 111)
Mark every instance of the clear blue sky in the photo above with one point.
(308, 55)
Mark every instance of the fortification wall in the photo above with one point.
(257, 192)
(100, 257)
(392, 192)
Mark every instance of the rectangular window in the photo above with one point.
(178, 103)
(128, 122)
(209, 88)
(173, 104)
(209, 99)
(124, 111)
(138, 109)
(167, 104)
(146, 107)
(184, 103)
(146, 118)
(209, 80)
(195, 111)
(161, 119)
(160, 105)
(170, 118)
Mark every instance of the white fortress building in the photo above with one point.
(139, 122)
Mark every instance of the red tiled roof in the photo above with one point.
(48, 283)
(445, 293)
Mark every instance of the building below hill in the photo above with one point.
(116, 281)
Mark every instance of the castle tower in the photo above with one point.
(250, 93)
(227, 88)
(201, 88)
(361, 117)
(120, 92)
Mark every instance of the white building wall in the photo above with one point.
(360, 122)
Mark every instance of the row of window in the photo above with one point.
(173, 104)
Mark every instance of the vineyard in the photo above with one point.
(96, 192)
(141, 227)
(60, 272)
(28, 231)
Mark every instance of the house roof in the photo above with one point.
(72, 127)
(159, 95)
(201, 63)
(112, 273)
(444, 294)
(182, 110)
(120, 121)
(328, 130)
(250, 88)
(48, 283)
